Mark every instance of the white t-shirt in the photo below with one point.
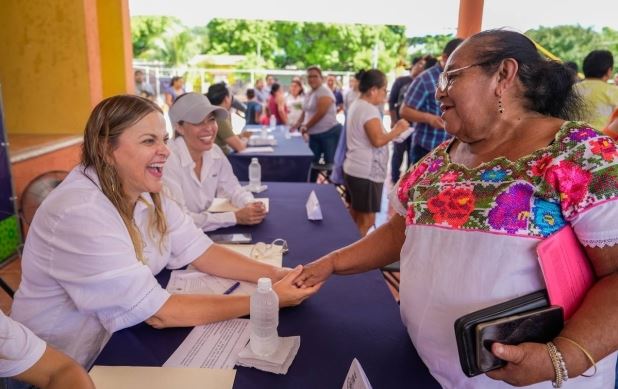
(81, 280)
(20, 349)
(329, 120)
(363, 160)
(195, 195)
(295, 107)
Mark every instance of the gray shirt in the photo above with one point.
(329, 120)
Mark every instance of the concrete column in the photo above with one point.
(470, 18)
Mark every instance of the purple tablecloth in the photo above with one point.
(350, 317)
(290, 162)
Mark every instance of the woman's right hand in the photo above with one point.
(315, 272)
(290, 294)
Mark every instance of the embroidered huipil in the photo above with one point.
(471, 236)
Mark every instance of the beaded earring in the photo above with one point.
(500, 107)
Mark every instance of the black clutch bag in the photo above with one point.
(527, 318)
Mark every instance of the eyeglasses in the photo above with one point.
(443, 78)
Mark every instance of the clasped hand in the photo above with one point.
(527, 364)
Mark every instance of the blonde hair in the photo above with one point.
(108, 120)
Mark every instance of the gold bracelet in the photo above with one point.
(555, 361)
(586, 353)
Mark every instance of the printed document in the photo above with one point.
(193, 281)
(214, 346)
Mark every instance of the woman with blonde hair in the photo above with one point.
(100, 237)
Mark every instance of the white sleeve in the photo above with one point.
(187, 241)
(92, 257)
(229, 187)
(598, 226)
(20, 348)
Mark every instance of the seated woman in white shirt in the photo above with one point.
(198, 170)
(25, 357)
(99, 238)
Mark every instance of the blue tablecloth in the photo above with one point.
(350, 317)
(290, 162)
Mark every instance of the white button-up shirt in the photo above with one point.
(81, 279)
(195, 195)
(20, 349)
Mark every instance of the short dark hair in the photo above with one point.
(217, 93)
(597, 63)
(315, 68)
(250, 93)
(548, 85)
(451, 46)
(371, 78)
(274, 88)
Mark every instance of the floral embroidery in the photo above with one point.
(450, 177)
(453, 206)
(512, 208)
(408, 181)
(605, 148)
(493, 175)
(532, 196)
(581, 134)
(547, 216)
(570, 181)
(539, 166)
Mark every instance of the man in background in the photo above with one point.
(142, 87)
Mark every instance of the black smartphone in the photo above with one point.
(230, 238)
(539, 325)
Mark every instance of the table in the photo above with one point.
(351, 316)
(290, 162)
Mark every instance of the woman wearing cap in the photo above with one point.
(100, 237)
(197, 170)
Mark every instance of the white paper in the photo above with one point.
(356, 378)
(404, 135)
(215, 346)
(258, 140)
(314, 212)
(257, 149)
(193, 281)
(296, 134)
(220, 204)
(130, 377)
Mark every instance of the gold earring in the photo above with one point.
(500, 107)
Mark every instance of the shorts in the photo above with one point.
(365, 195)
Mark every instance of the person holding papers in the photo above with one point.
(25, 357)
(198, 171)
(101, 236)
(471, 214)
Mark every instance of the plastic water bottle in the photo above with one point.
(264, 319)
(255, 174)
(273, 122)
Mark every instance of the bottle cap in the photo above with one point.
(264, 284)
(254, 159)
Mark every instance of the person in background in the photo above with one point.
(27, 358)
(270, 80)
(198, 171)
(175, 89)
(421, 108)
(367, 152)
(333, 85)
(254, 109)
(471, 214)
(319, 120)
(395, 101)
(261, 95)
(294, 101)
(142, 87)
(101, 236)
(601, 97)
(352, 94)
(219, 94)
(276, 104)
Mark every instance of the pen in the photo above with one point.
(232, 288)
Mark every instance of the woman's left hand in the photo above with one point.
(528, 363)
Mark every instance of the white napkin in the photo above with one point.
(404, 135)
(278, 363)
(259, 189)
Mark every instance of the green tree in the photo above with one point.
(569, 43)
(428, 44)
(176, 48)
(146, 30)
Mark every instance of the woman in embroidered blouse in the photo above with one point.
(514, 174)
(100, 237)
